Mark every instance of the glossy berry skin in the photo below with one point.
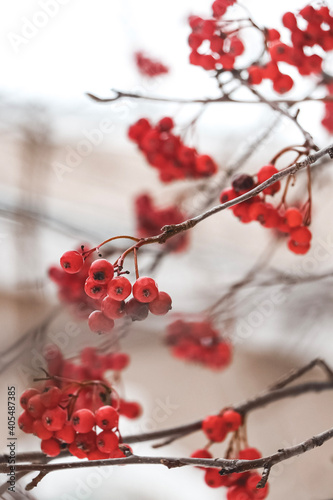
(101, 271)
(50, 447)
(294, 217)
(129, 409)
(51, 396)
(83, 420)
(214, 427)
(66, 434)
(145, 289)
(212, 478)
(35, 406)
(54, 419)
(113, 309)
(107, 441)
(264, 174)
(71, 262)
(39, 430)
(27, 394)
(94, 290)
(119, 288)
(25, 422)
(107, 418)
(161, 305)
(136, 310)
(99, 323)
(232, 420)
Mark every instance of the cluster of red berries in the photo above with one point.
(289, 222)
(109, 293)
(241, 486)
(150, 220)
(149, 67)
(72, 411)
(198, 342)
(224, 45)
(167, 153)
(327, 121)
(91, 366)
(318, 33)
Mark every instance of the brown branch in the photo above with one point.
(209, 100)
(227, 466)
(171, 230)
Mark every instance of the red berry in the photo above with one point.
(119, 288)
(39, 430)
(66, 434)
(214, 427)
(71, 262)
(50, 447)
(99, 323)
(232, 420)
(107, 417)
(205, 165)
(35, 406)
(161, 305)
(101, 271)
(249, 454)
(107, 441)
(293, 217)
(51, 396)
(136, 310)
(86, 442)
(76, 451)
(25, 422)
(129, 409)
(301, 235)
(145, 290)
(165, 124)
(83, 420)
(238, 493)
(54, 419)
(113, 309)
(298, 248)
(27, 394)
(227, 195)
(213, 479)
(94, 289)
(266, 173)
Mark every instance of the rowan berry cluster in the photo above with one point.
(149, 67)
(327, 121)
(224, 44)
(109, 292)
(167, 153)
(198, 342)
(240, 485)
(150, 220)
(72, 411)
(289, 221)
(316, 36)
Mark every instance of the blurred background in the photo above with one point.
(69, 175)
